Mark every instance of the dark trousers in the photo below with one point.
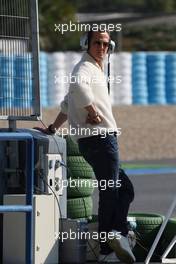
(102, 154)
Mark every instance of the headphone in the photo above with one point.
(84, 44)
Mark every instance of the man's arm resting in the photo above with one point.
(60, 119)
(51, 129)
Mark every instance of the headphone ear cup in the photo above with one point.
(84, 41)
(111, 47)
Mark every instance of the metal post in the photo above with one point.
(35, 51)
(29, 201)
(28, 208)
(168, 249)
(155, 243)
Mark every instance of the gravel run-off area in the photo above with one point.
(148, 132)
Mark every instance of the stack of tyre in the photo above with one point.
(156, 78)
(80, 183)
(56, 78)
(171, 78)
(44, 78)
(147, 228)
(6, 82)
(121, 69)
(23, 81)
(139, 78)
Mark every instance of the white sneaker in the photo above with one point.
(121, 247)
(110, 258)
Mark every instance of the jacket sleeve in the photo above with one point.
(81, 91)
(64, 105)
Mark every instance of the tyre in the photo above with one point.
(145, 219)
(79, 188)
(79, 168)
(79, 207)
(72, 147)
(147, 228)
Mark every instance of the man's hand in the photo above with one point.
(93, 116)
(52, 128)
(94, 119)
(43, 130)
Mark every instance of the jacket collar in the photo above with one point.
(88, 57)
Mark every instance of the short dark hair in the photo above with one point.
(90, 34)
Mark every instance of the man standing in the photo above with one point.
(87, 108)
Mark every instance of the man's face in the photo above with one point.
(99, 45)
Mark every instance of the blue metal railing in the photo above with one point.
(28, 208)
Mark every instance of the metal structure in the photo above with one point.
(161, 230)
(45, 230)
(19, 67)
(49, 196)
(28, 208)
(28, 158)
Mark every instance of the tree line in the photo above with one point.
(56, 12)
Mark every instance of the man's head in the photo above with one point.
(98, 44)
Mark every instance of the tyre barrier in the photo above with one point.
(79, 188)
(146, 78)
(72, 147)
(139, 78)
(79, 168)
(79, 208)
(23, 82)
(44, 78)
(156, 78)
(171, 78)
(6, 82)
(144, 221)
(57, 71)
(121, 68)
(146, 230)
(80, 183)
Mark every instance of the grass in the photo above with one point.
(145, 166)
